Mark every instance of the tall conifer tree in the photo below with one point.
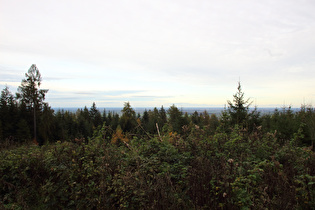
(31, 95)
(238, 109)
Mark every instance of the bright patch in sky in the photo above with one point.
(153, 53)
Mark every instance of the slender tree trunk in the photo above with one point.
(35, 135)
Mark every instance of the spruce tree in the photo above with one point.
(163, 117)
(238, 109)
(128, 118)
(195, 118)
(176, 119)
(8, 112)
(95, 116)
(145, 120)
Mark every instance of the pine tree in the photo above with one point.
(238, 109)
(114, 123)
(153, 119)
(176, 119)
(104, 117)
(8, 112)
(205, 118)
(195, 118)
(95, 116)
(31, 95)
(23, 132)
(47, 124)
(163, 117)
(145, 119)
(128, 118)
(109, 118)
(213, 123)
(85, 125)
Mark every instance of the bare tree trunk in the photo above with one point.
(157, 127)
(35, 133)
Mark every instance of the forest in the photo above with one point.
(160, 159)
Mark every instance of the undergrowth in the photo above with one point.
(192, 171)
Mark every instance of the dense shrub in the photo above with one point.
(231, 171)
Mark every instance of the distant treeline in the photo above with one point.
(17, 121)
(25, 116)
(190, 110)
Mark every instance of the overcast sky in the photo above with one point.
(153, 53)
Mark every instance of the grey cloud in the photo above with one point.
(85, 93)
(54, 78)
(8, 74)
(108, 93)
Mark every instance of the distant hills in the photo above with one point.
(189, 110)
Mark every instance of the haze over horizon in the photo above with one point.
(153, 53)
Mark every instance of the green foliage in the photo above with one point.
(160, 160)
(29, 91)
(226, 170)
(23, 131)
(8, 114)
(153, 119)
(238, 109)
(128, 118)
(176, 119)
(95, 116)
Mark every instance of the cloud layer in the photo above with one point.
(185, 52)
